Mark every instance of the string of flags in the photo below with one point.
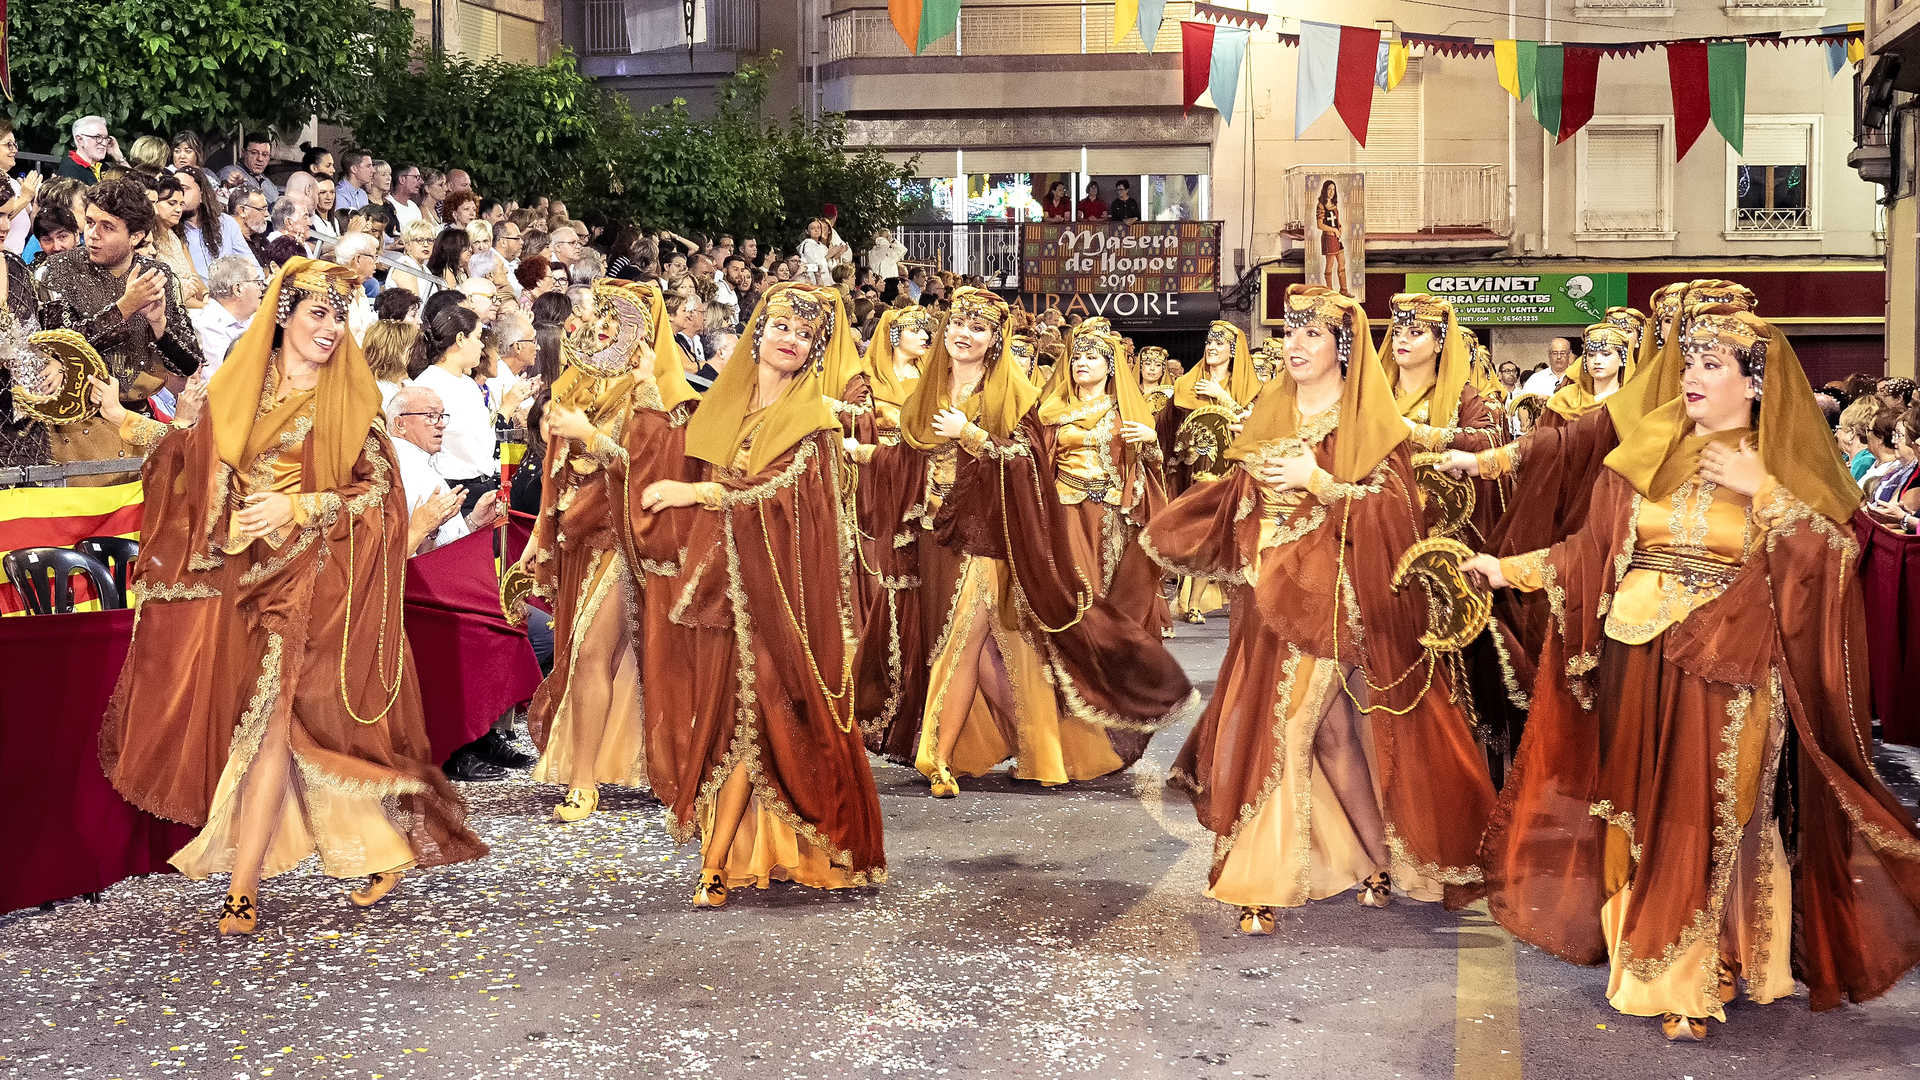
(1341, 67)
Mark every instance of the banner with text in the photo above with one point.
(1515, 299)
(1138, 275)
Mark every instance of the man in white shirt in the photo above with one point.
(357, 252)
(415, 418)
(236, 286)
(1545, 381)
(884, 257)
(512, 385)
(406, 193)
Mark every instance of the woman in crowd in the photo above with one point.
(1058, 205)
(817, 268)
(444, 355)
(615, 423)
(1098, 429)
(16, 196)
(1026, 660)
(433, 190)
(170, 237)
(267, 697)
(209, 233)
(1695, 716)
(410, 266)
(1851, 432)
(1331, 753)
(1890, 468)
(389, 346)
(1223, 380)
(448, 258)
(189, 155)
(774, 780)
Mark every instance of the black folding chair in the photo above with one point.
(116, 553)
(43, 577)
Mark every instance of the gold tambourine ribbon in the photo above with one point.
(1451, 495)
(516, 585)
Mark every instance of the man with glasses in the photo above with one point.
(236, 285)
(564, 247)
(92, 146)
(508, 242)
(418, 421)
(250, 209)
(405, 196)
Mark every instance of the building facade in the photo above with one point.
(1460, 181)
(1887, 129)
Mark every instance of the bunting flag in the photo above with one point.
(1152, 14)
(905, 16)
(1548, 71)
(1318, 72)
(1359, 58)
(1526, 59)
(1252, 20)
(1579, 76)
(1223, 68)
(1126, 13)
(1390, 68)
(1196, 61)
(1843, 48)
(1506, 67)
(1687, 74)
(1727, 83)
(938, 19)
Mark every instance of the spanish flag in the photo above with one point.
(62, 517)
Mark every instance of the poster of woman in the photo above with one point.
(1335, 235)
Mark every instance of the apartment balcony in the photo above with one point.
(1050, 54)
(1429, 206)
(640, 43)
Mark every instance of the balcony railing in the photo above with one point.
(995, 30)
(730, 24)
(1435, 200)
(1788, 219)
(988, 248)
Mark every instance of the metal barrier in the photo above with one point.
(58, 475)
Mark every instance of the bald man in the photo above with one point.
(1548, 379)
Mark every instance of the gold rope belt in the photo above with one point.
(1693, 566)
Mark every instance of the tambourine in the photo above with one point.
(1457, 611)
(1203, 439)
(1453, 495)
(73, 402)
(1527, 409)
(1158, 397)
(516, 585)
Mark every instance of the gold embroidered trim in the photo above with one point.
(1619, 819)
(184, 590)
(1400, 854)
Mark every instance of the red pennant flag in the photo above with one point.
(1692, 101)
(1580, 71)
(1353, 78)
(1196, 61)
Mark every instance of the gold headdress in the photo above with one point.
(1059, 399)
(1268, 359)
(1453, 366)
(909, 318)
(334, 284)
(971, 302)
(1426, 308)
(641, 344)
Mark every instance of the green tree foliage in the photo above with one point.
(214, 65)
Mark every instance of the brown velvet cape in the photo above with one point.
(221, 641)
(1789, 630)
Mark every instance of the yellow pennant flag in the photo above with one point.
(1856, 47)
(1126, 13)
(1396, 63)
(1506, 66)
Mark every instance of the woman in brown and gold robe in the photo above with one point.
(268, 695)
(615, 422)
(1331, 753)
(776, 779)
(1097, 428)
(1698, 713)
(1223, 380)
(869, 403)
(1005, 648)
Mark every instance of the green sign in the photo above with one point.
(1505, 298)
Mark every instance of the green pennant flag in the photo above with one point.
(1525, 56)
(1727, 88)
(938, 18)
(1548, 68)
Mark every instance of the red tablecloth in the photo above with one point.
(473, 664)
(1890, 580)
(68, 832)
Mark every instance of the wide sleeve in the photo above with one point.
(1110, 671)
(1474, 427)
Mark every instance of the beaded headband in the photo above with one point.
(1718, 291)
(324, 280)
(1221, 333)
(1707, 325)
(1626, 318)
(1318, 305)
(801, 304)
(1420, 308)
(1153, 354)
(1604, 336)
(970, 302)
(1102, 343)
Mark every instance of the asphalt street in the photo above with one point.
(1024, 933)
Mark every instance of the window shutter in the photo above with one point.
(1621, 187)
(1133, 161)
(1394, 137)
(1778, 144)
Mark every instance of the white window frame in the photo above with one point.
(1647, 11)
(1813, 231)
(1665, 185)
(1735, 10)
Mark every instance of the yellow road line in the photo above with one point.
(1486, 1013)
